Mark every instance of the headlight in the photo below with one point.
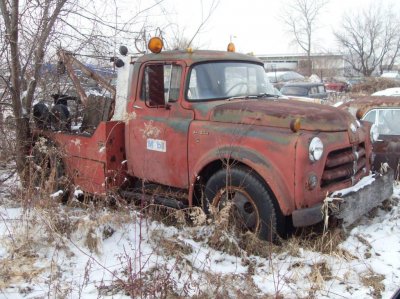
(316, 149)
(374, 133)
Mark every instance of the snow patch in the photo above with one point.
(365, 181)
(57, 194)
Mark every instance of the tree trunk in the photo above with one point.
(309, 64)
(22, 151)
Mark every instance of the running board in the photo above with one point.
(155, 199)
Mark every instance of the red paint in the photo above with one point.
(201, 136)
(94, 163)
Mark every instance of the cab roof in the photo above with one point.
(198, 56)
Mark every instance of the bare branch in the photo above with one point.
(300, 18)
(205, 19)
(369, 37)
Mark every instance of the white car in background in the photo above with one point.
(390, 92)
(391, 75)
(278, 79)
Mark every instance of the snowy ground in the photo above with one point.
(55, 251)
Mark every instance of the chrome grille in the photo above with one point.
(344, 164)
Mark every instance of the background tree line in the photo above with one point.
(368, 38)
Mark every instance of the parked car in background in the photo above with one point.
(353, 81)
(305, 89)
(389, 92)
(391, 75)
(278, 79)
(336, 85)
(384, 112)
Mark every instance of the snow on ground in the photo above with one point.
(50, 250)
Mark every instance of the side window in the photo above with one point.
(153, 85)
(313, 90)
(192, 92)
(172, 82)
(321, 89)
(387, 121)
(161, 84)
(370, 116)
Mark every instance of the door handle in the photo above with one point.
(137, 107)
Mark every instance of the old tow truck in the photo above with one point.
(206, 123)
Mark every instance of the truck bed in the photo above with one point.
(94, 163)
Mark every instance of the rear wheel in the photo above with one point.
(251, 207)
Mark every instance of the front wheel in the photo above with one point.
(250, 205)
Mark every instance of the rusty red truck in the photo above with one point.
(208, 124)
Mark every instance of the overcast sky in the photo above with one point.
(256, 25)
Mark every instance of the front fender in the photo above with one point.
(266, 169)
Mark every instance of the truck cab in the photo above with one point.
(208, 123)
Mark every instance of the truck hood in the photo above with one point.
(280, 113)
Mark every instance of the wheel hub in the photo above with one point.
(243, 213)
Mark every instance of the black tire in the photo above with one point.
(41, 115)
(48, 170)
(60, 118)
(252, 202)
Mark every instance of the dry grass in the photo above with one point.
(169, 246)
(229, 286)
(315, 239)
(19, 270)
(372, 85)
(47, 224)
(374, 281)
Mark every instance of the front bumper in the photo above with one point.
(349, 204)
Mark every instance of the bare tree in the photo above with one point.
(389, 60)
(300, 17)
(180, 39)
(34, 29)
(370, 38)
(22, 91)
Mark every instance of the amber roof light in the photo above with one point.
(155, 45)
(231, 47)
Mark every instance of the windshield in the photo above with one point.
(223, 80)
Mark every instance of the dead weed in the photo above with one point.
(18, 270)
(325, 242)
(374, 281)
(169, 246)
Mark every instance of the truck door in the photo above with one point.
(158, 130)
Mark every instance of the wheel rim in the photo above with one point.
(243, 211)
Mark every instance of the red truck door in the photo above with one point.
(158, 126)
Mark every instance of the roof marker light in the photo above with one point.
(231, 47)
(155, 45)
